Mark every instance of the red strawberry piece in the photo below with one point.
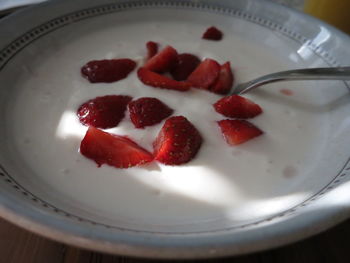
(103, 112)
(225, 80)
(148, 111)
(205, 74)
(186, 64)
(238, 131)
(107, 70)
(152, 49)
(235, 106)
(114, 150)
(178, 141)
(212, 33)
(158, 81)
(163, 61)
(287, 92)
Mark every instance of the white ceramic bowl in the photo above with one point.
(32, 196)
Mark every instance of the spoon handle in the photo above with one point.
(340, 73)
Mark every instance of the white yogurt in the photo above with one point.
(261, 177)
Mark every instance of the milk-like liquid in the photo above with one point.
(246, 182)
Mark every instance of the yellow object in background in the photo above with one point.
(334, 12)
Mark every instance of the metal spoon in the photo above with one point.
(341, 73)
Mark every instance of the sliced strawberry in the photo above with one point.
(158, 81)
(238, 131)
(212, 33)
(103, 112)
(225, 80)
(205, 74)
(186, 64)
(163, 61)
(178, 141)
(107, 70)
(152, 49)
(235, 106)
(114, 150)
(148, 111)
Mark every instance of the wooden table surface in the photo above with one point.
(20, 246)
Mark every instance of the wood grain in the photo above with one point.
(20, 246)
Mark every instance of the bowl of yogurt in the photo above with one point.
(286, 185)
